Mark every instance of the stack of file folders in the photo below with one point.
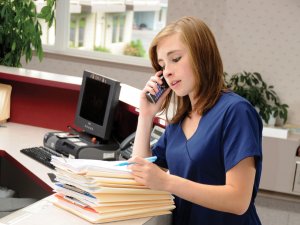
(100, 192)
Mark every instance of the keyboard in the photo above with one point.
(41, 154)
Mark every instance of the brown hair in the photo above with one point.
(206, 65)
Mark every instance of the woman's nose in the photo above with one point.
(167, 72)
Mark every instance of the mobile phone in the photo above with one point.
(161, 89)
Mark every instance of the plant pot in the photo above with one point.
(279, 122)
(271, 122)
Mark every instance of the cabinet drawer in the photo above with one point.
(297, 178)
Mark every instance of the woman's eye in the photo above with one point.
(176, 59)
(162, 67)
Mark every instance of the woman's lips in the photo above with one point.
(174, 83)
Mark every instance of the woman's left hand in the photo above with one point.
(148, 174)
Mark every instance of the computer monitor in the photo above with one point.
(97, 101)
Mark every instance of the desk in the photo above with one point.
(49, 214)
(14, 137)
(48, 100)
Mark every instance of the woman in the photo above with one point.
(212, 145)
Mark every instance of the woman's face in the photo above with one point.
(174, 60)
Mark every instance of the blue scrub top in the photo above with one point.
(228, 133)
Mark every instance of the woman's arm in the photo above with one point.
(141, 145)
(233, 197)
(147, 112)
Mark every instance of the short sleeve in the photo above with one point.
(242, 134)
(159, 150)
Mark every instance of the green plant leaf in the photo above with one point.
(20, 30)
(13, 47)
(46, 10)
(3, 11)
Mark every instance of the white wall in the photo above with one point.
(254, 35)
(257, 36)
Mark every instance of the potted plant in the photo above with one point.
(20, 30)
(263, 97)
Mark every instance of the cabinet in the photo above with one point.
(280, 170)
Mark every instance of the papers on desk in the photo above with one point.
(100, 192)
(93, 168)
(5, 92)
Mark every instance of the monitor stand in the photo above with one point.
(92, 139)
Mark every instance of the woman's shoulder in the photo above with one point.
(230, 99)
(233, 103)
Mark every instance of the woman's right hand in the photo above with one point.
(147, 108)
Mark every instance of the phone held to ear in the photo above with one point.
(161, 89)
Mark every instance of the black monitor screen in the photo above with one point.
(97, 101)
(94, 101)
